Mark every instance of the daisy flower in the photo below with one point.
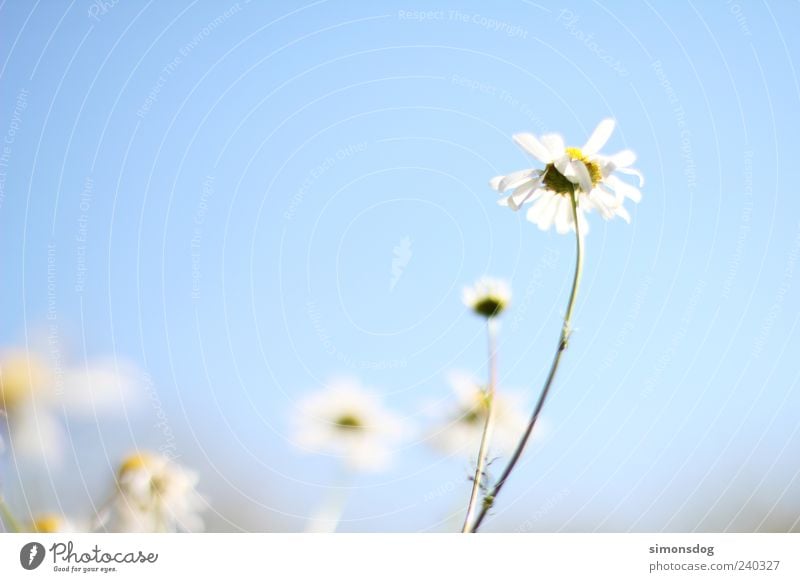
(153, 494)
(52, 523)
(487, 297)
(348, 421)
(591, 175)
(34, 395)
(462, 428)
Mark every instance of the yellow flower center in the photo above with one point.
(47, 523)
(20, 375)
(348, 422)
(556, 182)
(136, 462)
(479, 410)
(144, 461)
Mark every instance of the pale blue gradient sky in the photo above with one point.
(253, 166)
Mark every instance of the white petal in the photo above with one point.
(632, 172)
(494, 183)
(549, 214)
(514, 202)
(623, 159)
(623, 189)
(564, 165)
(582, 175)
(555, 145)
(513, 180)
(599, 137)
(623, 213)
(563, 217)
(522, 194)
(543, 211)
(465, 387)
(108, 386)
(533, 146)
(536, 210)
(605, 203)
(36, 433)
(583, 223)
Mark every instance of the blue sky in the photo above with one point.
(220, 189)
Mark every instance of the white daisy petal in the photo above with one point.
(523, 194)
(535, 211)
(623, 159)
(533, 146)
(605, 203)
(623, 189)
(555, 145)
(632, 172)
(583, 223)
(515, 203)
(563, 216)
(520, 196)
(564, 165)
(515, 179)
(582, 175)
(599, 137)
(548, 213)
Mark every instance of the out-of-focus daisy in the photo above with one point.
(488, 297)
(34, 394)
(153, 494)
(25, 382)
(348, 421)
(585, 171)
(461, 430)
(52, 523)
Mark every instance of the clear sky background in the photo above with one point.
(219, 189)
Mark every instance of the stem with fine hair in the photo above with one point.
(488, 427)
(563, 341)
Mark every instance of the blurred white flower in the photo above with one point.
(487, 297)
(348, 421)
(585, 170)
(461, 429)
(53, 523)
(34, 395)
(153, 494)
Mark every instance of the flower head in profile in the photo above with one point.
(154, 494)
(488, 297)
(35, 393)
(590, 175)
(52, 523)
(461, 429)
(348, 421)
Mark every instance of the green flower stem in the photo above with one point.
(8, 518)
(488, 427)
(563, 342)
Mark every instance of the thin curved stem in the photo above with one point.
(563, 341)
(488, 427)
